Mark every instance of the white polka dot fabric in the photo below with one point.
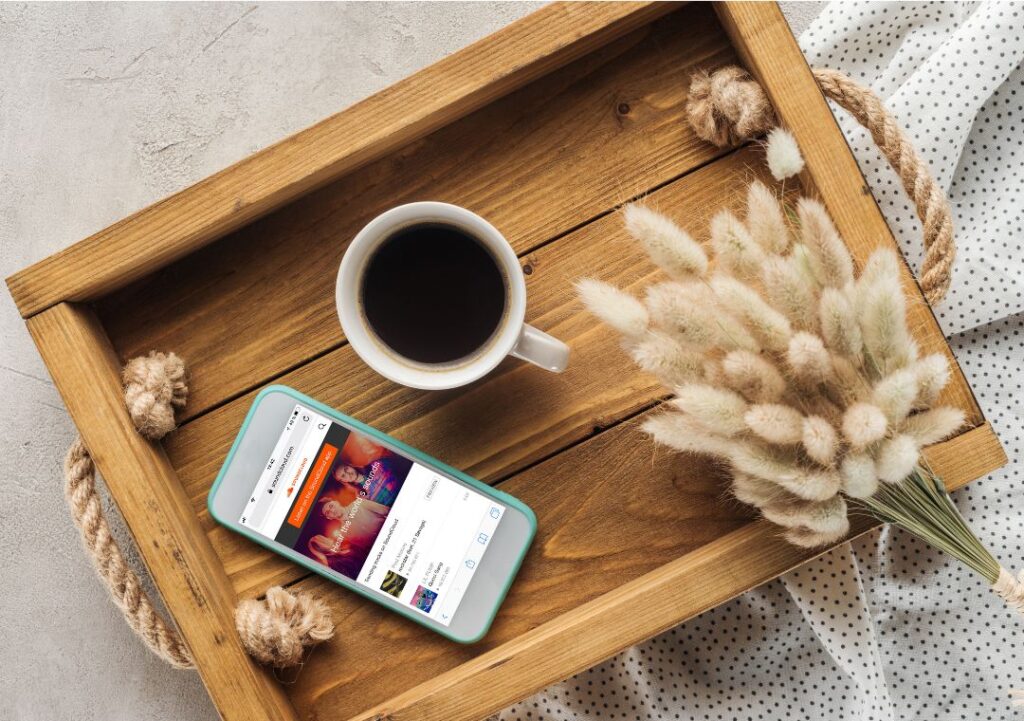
(885, 627)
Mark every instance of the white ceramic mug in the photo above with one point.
(512, 336)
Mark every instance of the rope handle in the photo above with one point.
(275, 631)
(122, 582)
(728, 107)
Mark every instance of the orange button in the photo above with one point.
(316, 479)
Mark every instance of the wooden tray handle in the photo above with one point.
(728, 106)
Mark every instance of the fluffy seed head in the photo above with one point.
(735, 248)
(883, 326)
(830, 260)
(932, 373)
(860, 478)
(863, 424)
(785, 470)
(820, 440)
(883, 314)
(717, 409)
(896, 458)
(669, 246)
(758, 492)
(787, 289)
(895, 394)
(767, 325)
(684, 434)
(934, 425)
(839, 325)
(819, 485)
(620, 310)
(682, 310)
(775, 422)
(691, 312)
(806, 538)
(847, 385)
(827, 516)
(665, 357)
(753, 376)
(808, 359)
(882, 266)
(765, 219)
(784, 158)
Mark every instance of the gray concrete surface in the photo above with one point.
(105, 108)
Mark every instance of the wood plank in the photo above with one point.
(181, 561)
(410, 109)
(651, 537)
(769, 51)
(514, 417)
(571, 130)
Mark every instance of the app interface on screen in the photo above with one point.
(371, 514)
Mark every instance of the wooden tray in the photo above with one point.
(544, 128)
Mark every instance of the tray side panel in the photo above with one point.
(181, 561)
(430, 99)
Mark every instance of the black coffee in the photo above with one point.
(433, 293)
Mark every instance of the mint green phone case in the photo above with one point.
(408, 451)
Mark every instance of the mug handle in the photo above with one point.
(539, 348)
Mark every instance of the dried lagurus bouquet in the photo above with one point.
(795, 371)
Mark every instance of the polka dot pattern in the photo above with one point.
(885, 627)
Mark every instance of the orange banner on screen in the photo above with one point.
(316, 479)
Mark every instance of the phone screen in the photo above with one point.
(390, 524)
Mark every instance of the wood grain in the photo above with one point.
(402, 113)
(769, 51)
(514, 417)
(182, 563)
(654, 539)
(601, 130)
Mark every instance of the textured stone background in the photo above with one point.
(105, 108)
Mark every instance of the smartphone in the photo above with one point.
(372, 514)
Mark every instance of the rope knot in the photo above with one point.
(1010, 589)
(154, 386)
(728, 107)
(278, 630)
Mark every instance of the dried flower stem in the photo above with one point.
(920, 505)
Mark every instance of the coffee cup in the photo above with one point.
(431, 295)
